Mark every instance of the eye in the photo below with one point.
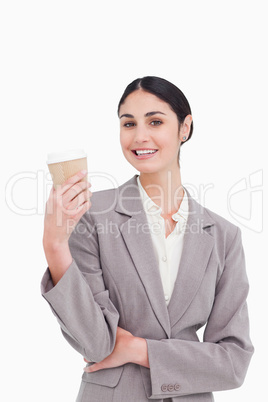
(129, 124)
(156, 123)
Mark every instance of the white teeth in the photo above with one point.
(145, 151)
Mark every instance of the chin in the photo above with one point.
(148, 170)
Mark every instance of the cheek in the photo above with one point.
(174, 139)
(124, 142)
(169, 143)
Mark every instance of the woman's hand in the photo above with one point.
(65, 206)
(128, 349)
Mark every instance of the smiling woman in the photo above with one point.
(131, 300)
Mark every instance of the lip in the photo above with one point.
(144, 156)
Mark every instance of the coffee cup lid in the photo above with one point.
(64, 156)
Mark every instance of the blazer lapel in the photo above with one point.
(197, 248)
(135, 231)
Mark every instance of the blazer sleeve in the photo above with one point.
(87, 317)
(221, 361)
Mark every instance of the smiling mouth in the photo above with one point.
(140, 152)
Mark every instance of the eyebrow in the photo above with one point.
(146, 115)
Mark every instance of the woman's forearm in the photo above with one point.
(59, 259)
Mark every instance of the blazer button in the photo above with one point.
(164, 388)
(170, 387)
(177, 387)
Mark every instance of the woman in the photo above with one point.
(146, 266)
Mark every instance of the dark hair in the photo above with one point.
(165, 91)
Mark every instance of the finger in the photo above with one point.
(79, 212)
(71, 181)
(86, 369)
(84, 208)
(73, 191)
(93, 367)
(79, 200)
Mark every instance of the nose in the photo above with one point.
(141, 134)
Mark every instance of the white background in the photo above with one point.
(64, 66)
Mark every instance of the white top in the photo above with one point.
(167, 250)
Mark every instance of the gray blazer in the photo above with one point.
(114, 281)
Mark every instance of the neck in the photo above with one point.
(165, 189)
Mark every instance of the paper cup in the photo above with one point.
(63, 165)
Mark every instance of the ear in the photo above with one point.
(185, 128)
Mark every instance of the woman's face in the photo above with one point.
(149, 133)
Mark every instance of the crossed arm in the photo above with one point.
(128, 349)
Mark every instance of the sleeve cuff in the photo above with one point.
(50, 291)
